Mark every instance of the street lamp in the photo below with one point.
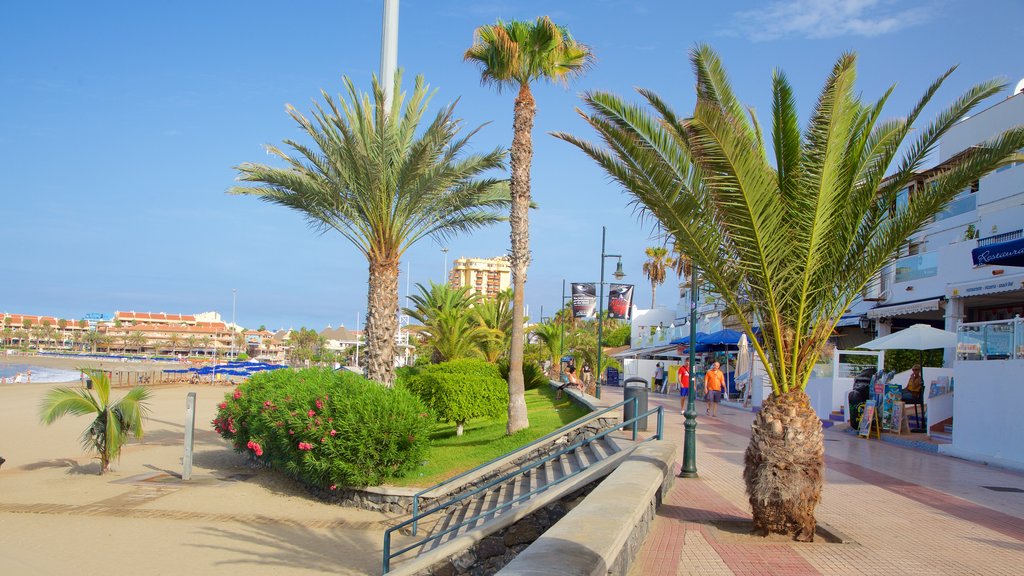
(689, 468)
(444, 272)
(619, 275)
(234, 328)
(561, 339)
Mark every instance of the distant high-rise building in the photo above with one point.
(484, 276)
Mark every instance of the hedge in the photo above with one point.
(462, 389)
(326, 428)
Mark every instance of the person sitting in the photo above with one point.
(570, 380)
(915, 385)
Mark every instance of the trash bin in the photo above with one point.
(88, 383)
(635, 388)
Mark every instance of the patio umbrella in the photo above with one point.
(744, 366)
(919, 337)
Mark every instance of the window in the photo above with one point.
(916, 267)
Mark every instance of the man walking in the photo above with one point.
(683, 376)
(660, 380)
(714, 380)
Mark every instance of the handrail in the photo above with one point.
(632, 422)
(522, 449)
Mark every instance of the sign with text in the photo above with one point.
(620, 301)
(584, 299)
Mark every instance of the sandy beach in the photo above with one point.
(58, 516)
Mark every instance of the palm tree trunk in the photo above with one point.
(654, 290)
(382, 321)
(785, 466)
(519, 187)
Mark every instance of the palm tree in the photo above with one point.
(550, 335)
(799, 239)
(657, 264)
(384, 183)
(447, 322)
(513, 55)
(173, 342)
(138, 340)
(191, 342)
(495, 316)
(114, 421)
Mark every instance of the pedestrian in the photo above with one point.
(586, 376)
(659, 377)
(714, 380)
(683, 376)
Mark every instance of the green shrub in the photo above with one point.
(326, 428)
(461, 389)
(533, 374)
(901, 360)
(242, 357)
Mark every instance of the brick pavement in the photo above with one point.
(902, 511)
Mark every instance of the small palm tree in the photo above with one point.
(495, 316)
(797, 239)
(657, 264)
(447, 323)
(514, 55)
(550, 335)
(113, 423)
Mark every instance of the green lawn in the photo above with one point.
(484, 439)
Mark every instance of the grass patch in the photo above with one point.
(484, 439)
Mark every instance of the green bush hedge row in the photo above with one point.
(459, 390)
(326, 428)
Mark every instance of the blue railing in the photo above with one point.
(632, 423)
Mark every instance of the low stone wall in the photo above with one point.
(604, 532)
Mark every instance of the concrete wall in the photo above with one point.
(987, 422)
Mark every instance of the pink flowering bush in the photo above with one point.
(326, 428)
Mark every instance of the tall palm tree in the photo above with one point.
(514, 55)
(799, 239)
(658, 263)
(114, 421)
(383, 182)
(191, 342)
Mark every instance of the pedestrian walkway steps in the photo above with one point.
(523, 490)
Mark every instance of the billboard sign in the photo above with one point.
(584, 299)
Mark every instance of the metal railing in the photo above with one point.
(417, 515)
(996, 340)
(1004, 237)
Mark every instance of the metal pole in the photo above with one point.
(561, 340)
(234, 328)
(389, 51)
(444, 272)
(689, 468)
(357, 338)
(600, 319)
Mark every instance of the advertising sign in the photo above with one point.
(584, 299)
(620, 301)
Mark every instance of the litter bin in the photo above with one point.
(635, 388)
(88, 383)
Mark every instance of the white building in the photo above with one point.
(934, 280)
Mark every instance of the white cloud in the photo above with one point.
(818, 19)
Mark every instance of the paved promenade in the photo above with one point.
(901, 511)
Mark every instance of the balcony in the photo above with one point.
(998, 238)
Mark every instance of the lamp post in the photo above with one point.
(234, 328)
(444, 271)
(561, 339)
(618, 274)
(689, 467)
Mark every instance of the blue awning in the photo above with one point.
(686, 339)
(1009, 253)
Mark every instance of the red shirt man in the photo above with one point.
(683, 376)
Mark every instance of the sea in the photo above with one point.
(40, 374)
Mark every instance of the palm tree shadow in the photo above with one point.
(289, 545)
(72, 465)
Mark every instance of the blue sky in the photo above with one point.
(121, 121)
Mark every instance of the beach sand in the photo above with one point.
(58, 516)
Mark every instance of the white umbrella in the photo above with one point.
(917, 337)
(744, 365)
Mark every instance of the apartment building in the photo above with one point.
(484, 276)
(938, 278)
